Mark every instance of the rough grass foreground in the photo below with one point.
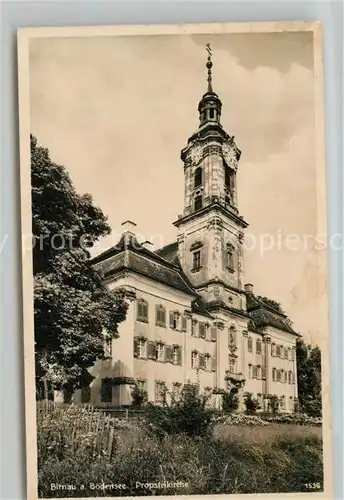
(79, 448)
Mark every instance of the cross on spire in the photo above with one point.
(209, 66)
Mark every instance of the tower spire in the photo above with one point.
(209, 66)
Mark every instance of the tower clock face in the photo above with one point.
(196, 155)
(230, 156)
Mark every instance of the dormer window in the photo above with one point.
(198, 203)
(198, 177)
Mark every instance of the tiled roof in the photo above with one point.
(130, 254)
(264, 315)
(169, 252)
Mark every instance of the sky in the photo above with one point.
(117, 110)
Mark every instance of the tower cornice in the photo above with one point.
(215, 207)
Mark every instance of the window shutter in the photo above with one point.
(213, 364)
(201, 361)
(136, 348)
(169, 354)
(171, 320)
(184, 323)
(179, 355)
(213, 333)
(151, 350)
(264, 373)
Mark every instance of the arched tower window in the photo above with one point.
(198, 178)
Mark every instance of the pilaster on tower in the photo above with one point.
(210, 229)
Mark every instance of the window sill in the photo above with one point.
(230, 270)
(142, 320)
(196, 269)
(162, 325)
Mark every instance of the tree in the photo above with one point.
(251, 404)
(271, 303)
(308, 361)
(72, 306)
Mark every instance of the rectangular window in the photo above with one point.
(142, 311)
(258, 372)
(160, 352)
(278, 351)
(174, 320)
(160, 392)
(201, 361)
(263, 373)
(249, 344)
(106, 390)
(285, 353)
(201, 330)
(196, 262)
(194, 359)
(142, 348)
(177, 355)
(85, 394)
(285, 377)
(160, 316)
(254, 371)
(193, 327)
(259, 346)
(232, 364)
(250, 373)
(184, 323)
(273, 350)
(230, 259)
(207, 362)
(278, 375)
(213, 333)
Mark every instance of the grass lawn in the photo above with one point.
(259, 435)
(74, 449)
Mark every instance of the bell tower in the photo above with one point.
(210, 229)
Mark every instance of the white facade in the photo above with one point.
(190, 317)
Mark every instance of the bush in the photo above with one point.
(274, 403)
(208, 465)
(139, 397)
(187, 414)
(230, 401)
(251, 404)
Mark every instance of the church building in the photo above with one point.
(191, 317)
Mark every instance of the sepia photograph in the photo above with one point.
(174, 261)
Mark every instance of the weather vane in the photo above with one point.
(209, 66)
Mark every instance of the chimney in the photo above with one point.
(249, 288)
(128, 227)
(147, 244)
